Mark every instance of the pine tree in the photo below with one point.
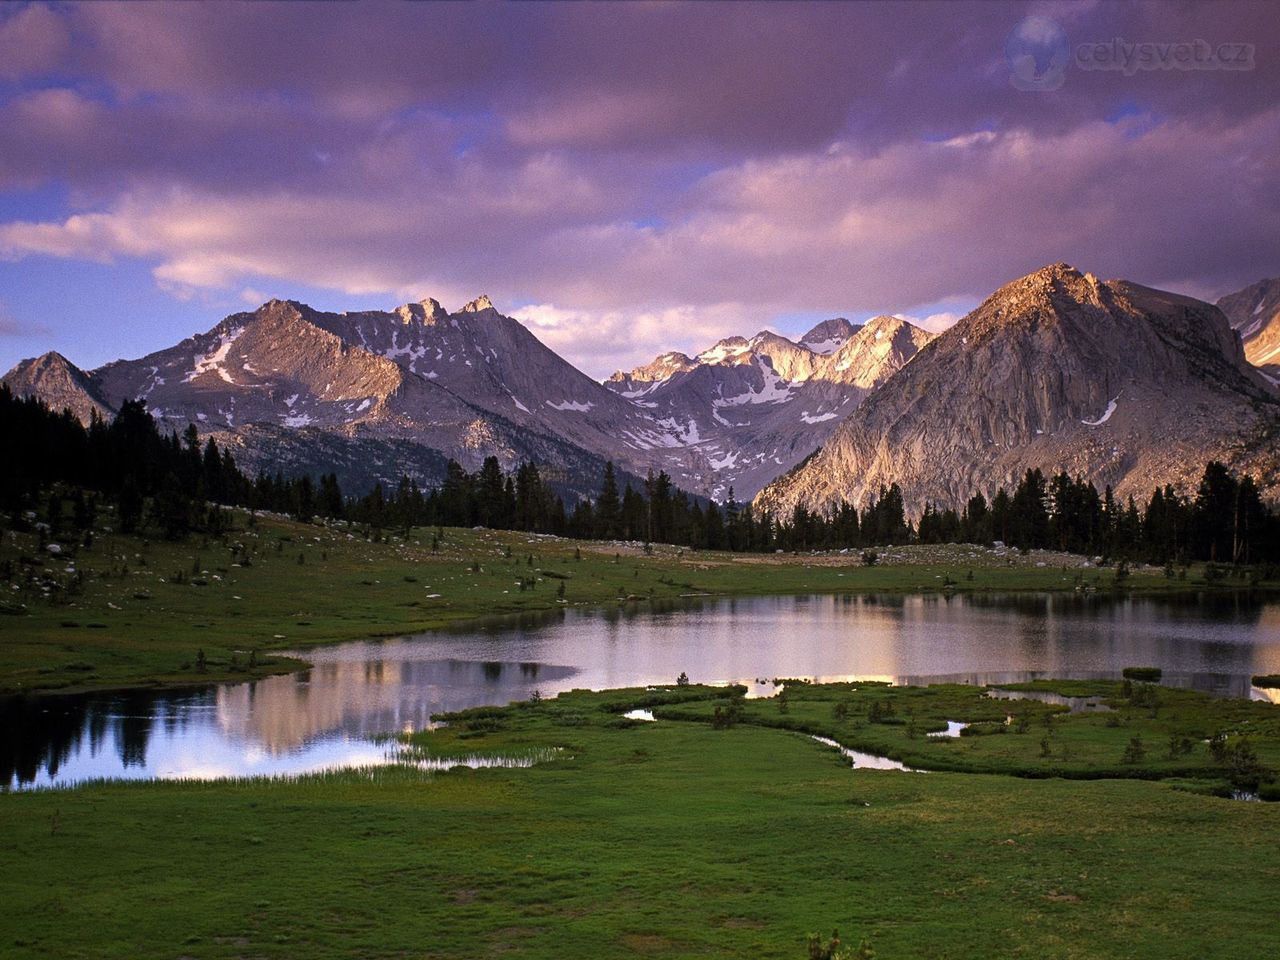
(608, 509)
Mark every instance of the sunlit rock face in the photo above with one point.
(1254, 313)
(1113, 381)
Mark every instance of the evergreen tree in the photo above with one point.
(608, 510)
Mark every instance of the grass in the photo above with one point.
(667, 839)
(1027, 738)
(145, 610)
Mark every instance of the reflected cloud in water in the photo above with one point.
(322, 718)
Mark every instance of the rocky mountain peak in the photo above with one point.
(60, 383)
(479, 305)
(828, 335)
(424, 311)
(275, 310)
(51, 360)
(882, 322)
(1117, 382)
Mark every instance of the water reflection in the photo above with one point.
(323, 717)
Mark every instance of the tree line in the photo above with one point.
(1225, 521)
(165, 482)
(175, 484)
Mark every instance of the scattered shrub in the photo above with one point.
(1144, 674)
(1134, 752)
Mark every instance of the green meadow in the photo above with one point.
(723, 829)
(676, 838)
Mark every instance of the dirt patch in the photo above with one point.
(646, 942)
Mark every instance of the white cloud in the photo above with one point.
(934, 322)
(600, 342)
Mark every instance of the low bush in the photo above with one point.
(1144, 674)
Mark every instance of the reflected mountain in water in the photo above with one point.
(362, 698)
(323, 717)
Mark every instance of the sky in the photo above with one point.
(625, 179)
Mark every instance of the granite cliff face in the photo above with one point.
(1120, 383)
(1254, 313)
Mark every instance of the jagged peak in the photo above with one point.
(424, 311)
(479, 304)
(885, 320)
(51, 358)
(768, 336)
(1055, 271)
(1054, 291)
(276, 306)
(664, 363)
(836, 327)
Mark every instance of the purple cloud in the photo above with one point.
(637, 177)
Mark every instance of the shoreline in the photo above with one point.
(136, 624)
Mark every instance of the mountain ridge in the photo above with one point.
(1055, 367)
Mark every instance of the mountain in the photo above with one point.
(376, 393)
(1120, 383)
(828, 335)
(753, 408)
(1254, 313)
(61, 384)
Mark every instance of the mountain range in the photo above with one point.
(1113, 381)
(755, 408)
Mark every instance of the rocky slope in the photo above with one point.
(1254, 313)
(1119, 383)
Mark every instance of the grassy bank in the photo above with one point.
(126, 611)
(668, 839)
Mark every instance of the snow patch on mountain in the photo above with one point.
(214, 359)
(570, 405)
(774, 390)
(725, 350)
(1111, 408)
(824, 346)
